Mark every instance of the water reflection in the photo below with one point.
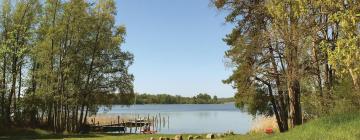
(189, 118)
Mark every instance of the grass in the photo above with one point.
(126, 137)
(335, 127)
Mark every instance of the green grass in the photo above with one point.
(335, 127)
(116, 136)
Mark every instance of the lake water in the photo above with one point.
(189, 118)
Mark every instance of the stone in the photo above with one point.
(161, 138)
(210, 136)
(219, 135)
(231, 132)
(151, 138)
(190, 137)
(178, 137)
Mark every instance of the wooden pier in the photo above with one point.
(146, 125)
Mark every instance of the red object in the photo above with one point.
(269, 131)
(148, 132)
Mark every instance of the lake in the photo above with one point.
(189, 118)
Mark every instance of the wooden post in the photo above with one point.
(94, 121)
(118, 122)
(123, 124)
(160, 122)
(130, 126)
(153, 123)
(135, 123)
(164, 124)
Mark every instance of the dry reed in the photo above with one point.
(261, 123)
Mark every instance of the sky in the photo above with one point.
(177, 45)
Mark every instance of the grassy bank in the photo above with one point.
(342, 126)
(335, 127)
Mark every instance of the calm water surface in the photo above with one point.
(190, 118)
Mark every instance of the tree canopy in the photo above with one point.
(60, 60)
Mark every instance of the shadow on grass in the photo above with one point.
(25, 134)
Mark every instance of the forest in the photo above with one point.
(59, 61)
(201, 98)
(294, 59)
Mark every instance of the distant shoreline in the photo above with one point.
(201, 98)
(182, 104)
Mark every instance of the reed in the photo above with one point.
(261, 123)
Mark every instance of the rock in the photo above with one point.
(151, 138)
(197, 137)
(219, 135)
(178, 137)
(164, 138)
(210, 136)
(190, 137)
(231, 132)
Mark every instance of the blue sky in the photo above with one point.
(177, 45)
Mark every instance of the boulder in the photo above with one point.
(151, 138)
(230, 132)
(178, 137)
(190, 137)
(219, 135)
(210, 136)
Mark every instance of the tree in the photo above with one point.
(63, 60)
(278, 48)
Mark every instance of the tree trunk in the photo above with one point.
(282, 107)
(86, 114)
(276, 111)
(3, 90)
(355, 79)
(295, 106)
(318, 71)
(81, 115)
(13, 86)
(17, 111)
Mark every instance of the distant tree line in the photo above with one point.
(60, 60)
(201, 98)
